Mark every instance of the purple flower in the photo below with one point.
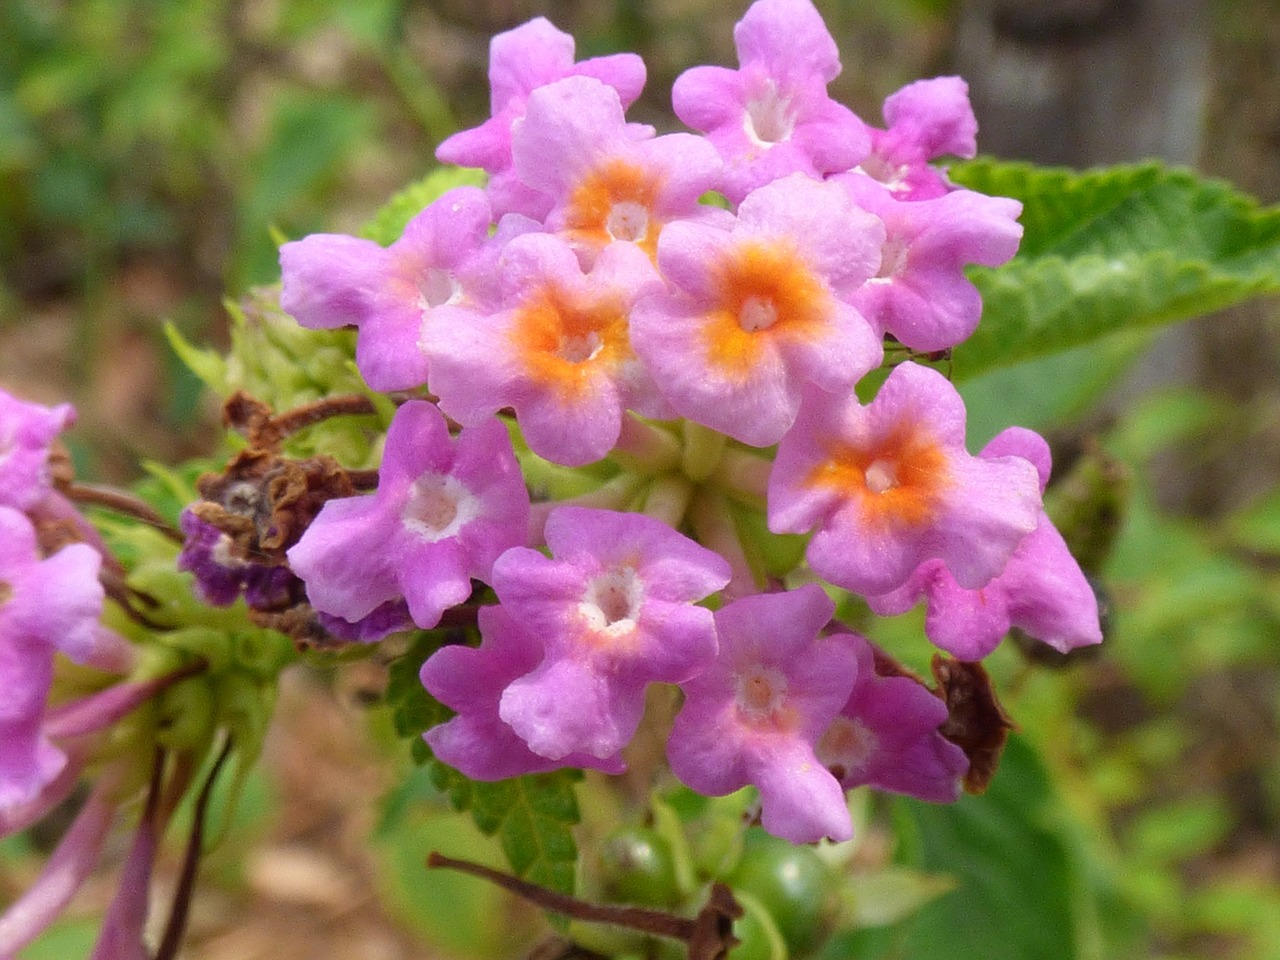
(560, 354)
(920, 293)
(887, 736)
(520, 61)
(1041, 590)
(616, 607)
(221, 576)
(46, 605)
(890, 485)
(610, 181)
(443, 512)
(26, 432)
(471, 681)
(755, 312)
(773, 117)
(926, 120)
(442, 258)
(755, 715)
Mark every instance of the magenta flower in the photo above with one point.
(444, 510)
(920, 293)
(890, 485)
(560, 355)
(616, 608)
(520, 61)
(1041, 590)
(772, 116)
(472, 681)
(46, 605)
(926, 119)
(887, 736)
(610, 181)
(755, 715)
(754, 313)
(26, 432)
(442, 258)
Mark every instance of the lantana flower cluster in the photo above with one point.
(634, 360)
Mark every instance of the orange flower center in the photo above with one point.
(615, 202)
(561, 342)
(897, 480)
(764, 291)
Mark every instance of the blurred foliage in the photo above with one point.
(149, 147)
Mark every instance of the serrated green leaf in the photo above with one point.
(389, 222)
(1120, 248)
(531, 816)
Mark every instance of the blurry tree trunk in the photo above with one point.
(1087, 82)
(1083, 82)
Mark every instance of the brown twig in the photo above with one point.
(123, 502)
(708, 936)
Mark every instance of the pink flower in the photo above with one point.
(609, 181)
(520, 61)
(926, 119)
(26, 432)
(886, 736)
(442, 258)
(72, 861)
(754, 313)
(755, 715)
(616, 608)
(920, 294)
(46, 605)
(560, 354)
(890, 485)
(472, 681)
(444, 510)
(1041, 590)
(773, 117)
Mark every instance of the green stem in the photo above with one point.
(743, 476)
(644, 448)
(713, 524)
(668, 499)
(703, 448)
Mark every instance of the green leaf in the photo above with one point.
(389, 222)
(531, 816)
(1120, 248)
(1023, 886)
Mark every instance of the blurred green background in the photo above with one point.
(148, 149)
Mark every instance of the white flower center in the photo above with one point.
(893, 176)
(438, 507)
(222, 555)
(881, 475)
(756, 314)
(581, 348)
(612, 601)
(436, 288)
(768, 119)
(893, 259)
(846, 746)
(628, 221)
(761, 692)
